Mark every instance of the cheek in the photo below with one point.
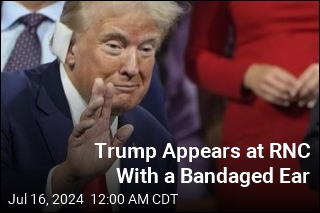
(147, 70)
(83, 83)
(107, 65)
(100, 66)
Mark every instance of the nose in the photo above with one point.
(131, 65)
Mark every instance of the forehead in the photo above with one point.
(134, 23)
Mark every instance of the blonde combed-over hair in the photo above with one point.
(78, 15)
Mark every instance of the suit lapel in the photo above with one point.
(137, 139)
(53, 117)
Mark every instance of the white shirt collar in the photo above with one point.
(12, 11)
(76, 103)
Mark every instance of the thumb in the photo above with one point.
(122, 135)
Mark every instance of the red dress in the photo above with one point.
(285, 34)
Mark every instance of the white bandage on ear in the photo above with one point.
(60, 41)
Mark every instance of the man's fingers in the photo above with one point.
(107, 105)
(92, 109)
(97, 88)
(122, 135)
(97, 92)
(80, 128)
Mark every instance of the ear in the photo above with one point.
(70, 59)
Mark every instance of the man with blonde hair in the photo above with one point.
(64, 124)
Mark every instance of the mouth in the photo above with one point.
(126, 88)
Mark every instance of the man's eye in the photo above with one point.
(113, 48)
(147, 50)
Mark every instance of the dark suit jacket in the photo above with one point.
(35, 126)
(154, 100)
(311, 164)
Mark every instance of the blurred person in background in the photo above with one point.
(182, 106)
(26, 30)
(271, 82)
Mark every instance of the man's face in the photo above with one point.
(120, 50)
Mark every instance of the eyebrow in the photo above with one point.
(115, 35)
(153, 41)
(151, 38)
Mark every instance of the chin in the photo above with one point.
(123, 103)
(120, 108)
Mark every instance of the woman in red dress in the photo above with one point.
(271, 82)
